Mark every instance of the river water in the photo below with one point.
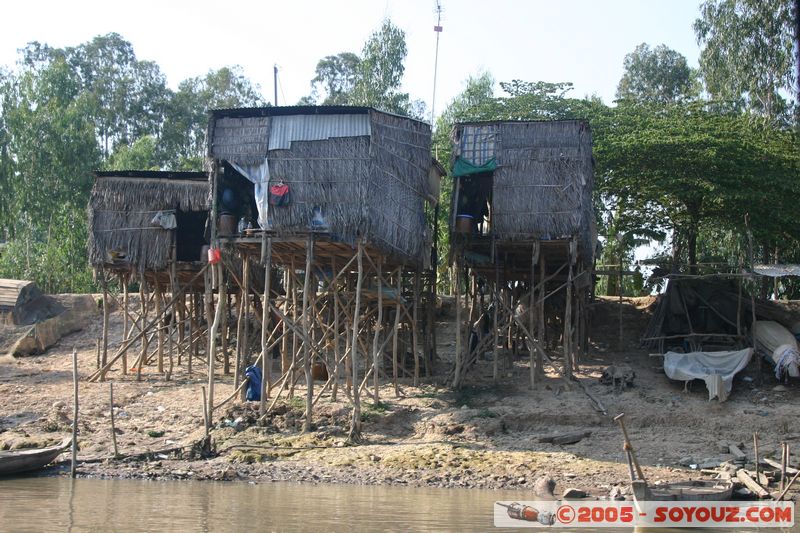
(92, 505)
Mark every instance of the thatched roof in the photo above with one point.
(368, 171)
(543, 178)
(121, 207)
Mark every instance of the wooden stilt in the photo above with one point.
(123, 281)
(295, 346)
(415, 328)
(336, 326)
(74, 464)
(245, 362)
(535, 355)
(495, 324)
(376, 359)
(567, 341)
(111, 415)
(355, 423)
(224, 346)
(308, 274)
(266, 359)
(192, 340)
(216, 273)
(285, 359)
(160, 326)
(106, 312)
(459, 326)
(542, 331)
(396, 332)
(143, 302)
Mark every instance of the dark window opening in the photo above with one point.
(190, 235)
(474, 203)
(236, 200)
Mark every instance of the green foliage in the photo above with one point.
(658, 75)
(747, 56)
(66, 112)
(140, 155)
(372, 79)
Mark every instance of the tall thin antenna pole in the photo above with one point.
(275, 82)
(438, 30)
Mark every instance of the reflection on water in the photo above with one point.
(89, 505)
(56, 504)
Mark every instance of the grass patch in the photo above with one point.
(485, 413)
(297, 403)
(370, 411)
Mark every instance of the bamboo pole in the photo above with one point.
(205, 411)
(495, 325)
(376, 336)
(396, 332)
(106, 311)
(415, 328)
(143, 303)
(74, 413)
(111, 413)
(160, 339)
(285, 359)
(266, 366)
(534, 355)
(457, 377)
(212, 345)
(542, 333)
(306, 333)
(355, 423)
(336, 338)
(192, 339)
(295, 347)
(224, 345)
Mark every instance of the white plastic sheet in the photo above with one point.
(259, 175)
(715, 368)
(779, 344)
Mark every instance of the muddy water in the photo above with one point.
(60, 504)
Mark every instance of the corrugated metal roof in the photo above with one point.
(288, 128)
(777, 271)
(10, 290)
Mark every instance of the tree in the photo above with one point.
(335, 78)
(139, 155)
(658, 75)
(372, 79)
(747, 54)
(183, 140)
(681, 168)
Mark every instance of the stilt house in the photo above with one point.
(522, 219)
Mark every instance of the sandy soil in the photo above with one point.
(486, 435)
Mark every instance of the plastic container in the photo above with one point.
(465, 223)
(227, 225)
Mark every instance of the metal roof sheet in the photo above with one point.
(288, 128)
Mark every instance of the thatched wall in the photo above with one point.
(543, 182)
(398, 185)
(120, 214)
(368, 179)
(331, 174)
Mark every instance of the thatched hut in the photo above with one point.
(351, 172)
(142, 221)
(522, 223)
(521, 181)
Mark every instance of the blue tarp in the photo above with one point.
(253, 374)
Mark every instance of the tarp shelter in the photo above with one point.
(715, 368)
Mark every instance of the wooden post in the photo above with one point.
(205, 411)
(111, 413)
(415, 328)
(495, 326)
(143, 303)
(192, 340)
(295, 346)
(355, 423)
(332, 289)
(160, 326)
(457, 376)
(266, 360)
(567, 343)
(285, 359)
(542, 332)
(106, 311)
(123, 280)
(244, 362)
(308, 274)
(74, 412)
(376, 336)
(534, 356)
(223, 297)
(396, 332)
(212, 343)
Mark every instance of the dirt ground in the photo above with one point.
(486, 435)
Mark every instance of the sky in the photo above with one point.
(578, 41)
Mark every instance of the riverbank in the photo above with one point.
(494, 436)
